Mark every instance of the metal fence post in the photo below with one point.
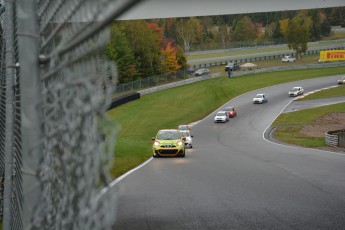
(10, 74)
(30, 86)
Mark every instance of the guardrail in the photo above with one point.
(123, 100)
(335, 138)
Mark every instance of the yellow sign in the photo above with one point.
(332, 55)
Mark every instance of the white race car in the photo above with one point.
(189, 138)
(341, 81)
(221, 116)
(288, 59)
(295, 91)
(260, 98)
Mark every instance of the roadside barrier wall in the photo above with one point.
(335, 138)
(124, 99)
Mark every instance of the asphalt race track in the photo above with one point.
(234, 178)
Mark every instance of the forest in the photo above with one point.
(143, 48)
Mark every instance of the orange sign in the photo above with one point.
(332, 55)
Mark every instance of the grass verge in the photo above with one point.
(141, 119)
(290, 125)
(333, 92)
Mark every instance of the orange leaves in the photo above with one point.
(169, 59)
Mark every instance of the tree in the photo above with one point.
(325, 29)
(297, 34)
(270, 30)
(283, 25)
(119, 51)
(189, 30)
(181, 58)
(223, 35)
(277, 31)
(145, 39)
(169, 59)
(315, 29)
(244, 30)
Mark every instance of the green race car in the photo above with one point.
(168, 142)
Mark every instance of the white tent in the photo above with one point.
(249, 66)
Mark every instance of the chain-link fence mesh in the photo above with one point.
(2, 104)
(10, 119)
(61, 141)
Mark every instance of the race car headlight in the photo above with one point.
(156, 144)
(179, 143)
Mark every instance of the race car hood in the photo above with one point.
(167, 142)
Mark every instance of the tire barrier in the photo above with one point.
(335, 138)
(123, 100)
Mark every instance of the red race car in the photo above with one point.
(231, 112)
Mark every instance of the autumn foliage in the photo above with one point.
(169, 59)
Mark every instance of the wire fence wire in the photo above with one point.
(2, 105)
(10, 120)
(62, 144)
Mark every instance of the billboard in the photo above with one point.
(332, 55)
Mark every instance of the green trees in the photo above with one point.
(244, 30)
(297, 33)
(143, 48)
(138, 49)
(145, 40)
(189, 31)
(119, 51)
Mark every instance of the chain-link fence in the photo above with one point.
(56, 144)
(10, 120)
(149, 82)
(2, 105)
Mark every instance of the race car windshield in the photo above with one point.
(168, 136)
(185, 134)
(221, 114)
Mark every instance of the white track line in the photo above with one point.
(291, 146)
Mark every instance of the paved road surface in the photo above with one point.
(234, 179)
(299, 105)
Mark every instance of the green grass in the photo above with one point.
(327, 93)
(308, 115)
(290, 125)
(141, 119)
(292, 135)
